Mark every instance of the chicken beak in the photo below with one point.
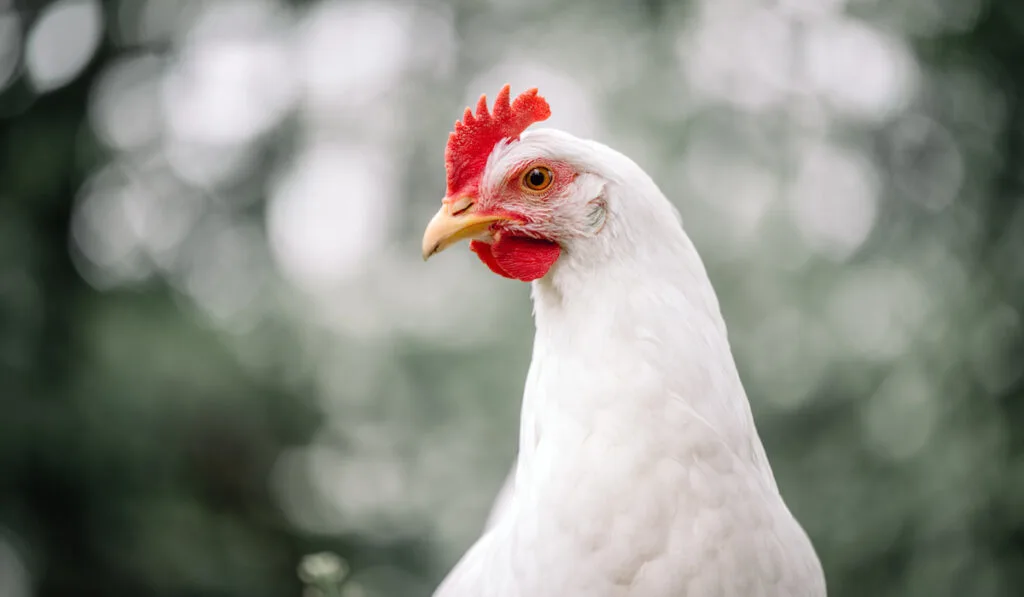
(455, 221)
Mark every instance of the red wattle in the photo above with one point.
(518, 257)
(483, 251)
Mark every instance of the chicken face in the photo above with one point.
(516, 200)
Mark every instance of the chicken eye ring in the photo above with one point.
(537, 179)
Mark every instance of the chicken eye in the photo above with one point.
(537, 179)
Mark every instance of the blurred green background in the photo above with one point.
(220, 350)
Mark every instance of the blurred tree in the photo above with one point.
(135, 452)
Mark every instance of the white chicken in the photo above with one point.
(640, 472)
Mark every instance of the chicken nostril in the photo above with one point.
(459, 206)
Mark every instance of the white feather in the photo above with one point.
(640, 472)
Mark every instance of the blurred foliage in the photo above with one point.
(219, 352)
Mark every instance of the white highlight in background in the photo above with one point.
(330, 213)
(62, 43)
(834, 199)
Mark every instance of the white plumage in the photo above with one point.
(640, 472)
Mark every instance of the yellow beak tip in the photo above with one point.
(445, 228)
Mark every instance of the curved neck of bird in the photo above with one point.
(628, 328)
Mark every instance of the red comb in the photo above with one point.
(476, 135)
